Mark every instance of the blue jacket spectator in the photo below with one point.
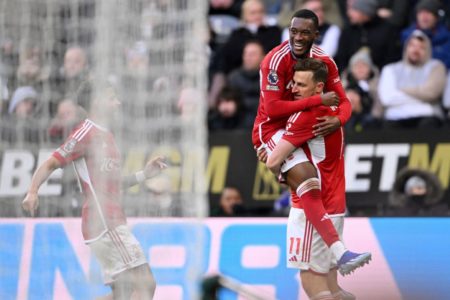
(427, 20)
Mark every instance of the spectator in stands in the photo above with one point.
(231, 203)
(396, 12)
(367, 29)
(246, 78)
(253, 27)
(360, 81)
(188, 103)
(8, 63)
(225, 7)
(446, 99)
(21, 126)
(29, 71)
(229, 113)
(329, 34)
(23, 102)
(73, 72)
(427, 20)
(417, 192)
(411, 89)
(68, 115)
(230, 55)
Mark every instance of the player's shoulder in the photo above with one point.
(319, 53)
(83, 130)
(274, 58)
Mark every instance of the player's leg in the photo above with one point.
(136, 283)
(302, 178)
(144, 284)
(337, 292)
(307, 251)
(122, 287)
(327, 155)
(123, 264)
(315, 285)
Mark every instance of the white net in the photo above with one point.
(152, 51)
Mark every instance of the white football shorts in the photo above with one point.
(117, 250)
(295, 158)
(306, 250)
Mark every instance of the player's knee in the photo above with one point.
(146, 282)
(301, 172)
(313, 283)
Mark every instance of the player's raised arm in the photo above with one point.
(31, 201)
(151, 169)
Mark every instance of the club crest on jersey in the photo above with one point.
(70, 145)
(272, 78)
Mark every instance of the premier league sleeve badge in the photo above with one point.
(272, 80)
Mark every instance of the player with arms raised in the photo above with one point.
(92, 150)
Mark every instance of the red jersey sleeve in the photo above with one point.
(75, 145)
(334, 84)
(276, 94)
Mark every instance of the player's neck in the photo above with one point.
(103, 121)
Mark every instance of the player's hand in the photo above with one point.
(154, 166)
(326, 125)
(262, 155)
(330, 99)
(30, 203)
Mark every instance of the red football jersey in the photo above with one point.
(96, 159)
(276, 105)
(326, 153)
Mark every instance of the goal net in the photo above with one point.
(153, 53)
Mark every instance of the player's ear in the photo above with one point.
(319, 87)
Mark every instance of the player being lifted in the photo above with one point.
(274, 110)
(307, 250)
(95, 156)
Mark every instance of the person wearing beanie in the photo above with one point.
(366, 29)
(365, 7)
(361, 82)
(23, 101)
(427, 20)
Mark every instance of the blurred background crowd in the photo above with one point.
(393, 57)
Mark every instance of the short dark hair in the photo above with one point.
(89, 89)
(307, 14)
(230, 94)
(318, 67)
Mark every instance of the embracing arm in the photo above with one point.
(31, 201)
(273, 86)
(278, 108)
(328, 124)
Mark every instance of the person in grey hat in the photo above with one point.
(23, 102)
(361, 85)
(427, 20)
(366, 29)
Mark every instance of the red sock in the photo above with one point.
(309, 192)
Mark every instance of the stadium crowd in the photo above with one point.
(393, 56)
